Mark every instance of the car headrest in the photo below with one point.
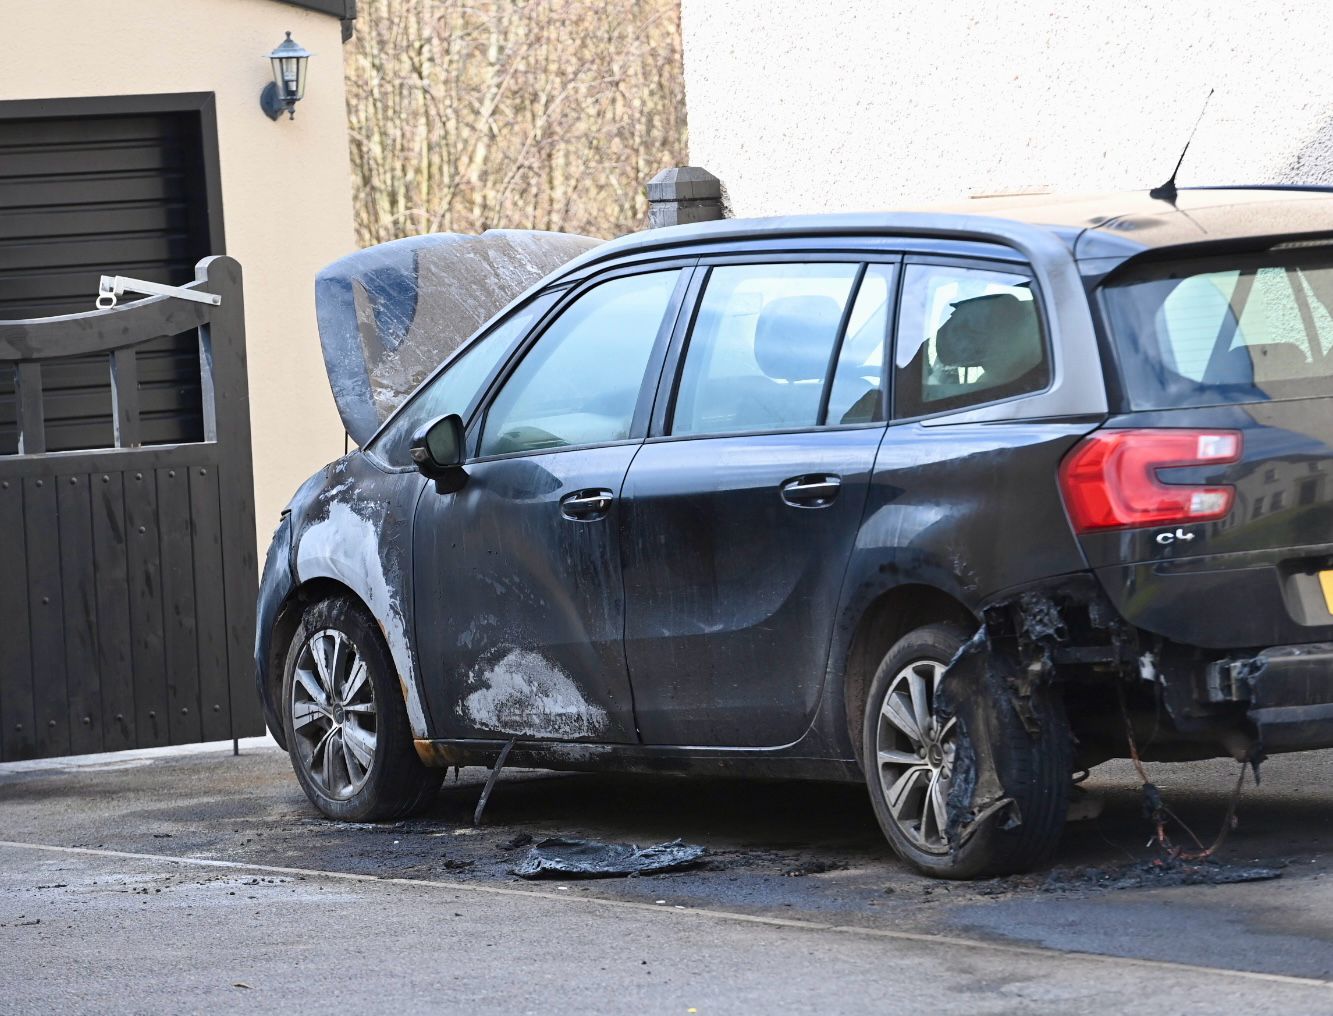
(982, 324)
(787, 337)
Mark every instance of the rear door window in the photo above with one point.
(857, 392)
(761, 348)
(966, 336)
(1224, 330)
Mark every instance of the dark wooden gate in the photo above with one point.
(128, 574)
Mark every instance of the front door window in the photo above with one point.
(579, 385)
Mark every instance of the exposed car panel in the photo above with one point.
(389, 314)
(521, 612)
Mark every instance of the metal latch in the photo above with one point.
(111, 287)
(1229, 680)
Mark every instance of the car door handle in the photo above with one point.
(586, 505)
(811, 491)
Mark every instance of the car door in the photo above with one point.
(520, 609)
(741, 509)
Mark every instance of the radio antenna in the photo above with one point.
(1167, 192)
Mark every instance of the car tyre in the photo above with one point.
(346, 726)
(909, 776)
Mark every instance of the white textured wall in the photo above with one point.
(812, 105)
(286, 186)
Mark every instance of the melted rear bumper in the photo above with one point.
(1287, 690)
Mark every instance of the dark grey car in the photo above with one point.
(954, 503)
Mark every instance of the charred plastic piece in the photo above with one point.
(1010, 726)
(999, 690)
(559, 857)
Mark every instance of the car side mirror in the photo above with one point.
(437, 450)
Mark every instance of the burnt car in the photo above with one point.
(957, 503)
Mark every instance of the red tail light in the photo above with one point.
(1110, 480)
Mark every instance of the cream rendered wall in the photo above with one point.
(813, 105)
(286, 186)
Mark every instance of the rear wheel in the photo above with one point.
(914, 758)
(343, 714)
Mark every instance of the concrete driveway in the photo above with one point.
(200, 880)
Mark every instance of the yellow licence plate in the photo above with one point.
(1326, 583)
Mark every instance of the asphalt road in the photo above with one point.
(189, 883)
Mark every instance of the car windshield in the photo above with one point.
(1223, 330)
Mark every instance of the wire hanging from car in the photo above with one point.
(1158, 813)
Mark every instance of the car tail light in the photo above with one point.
(1110, 480)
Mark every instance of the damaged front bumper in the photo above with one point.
(1287, 692)
(274, 587)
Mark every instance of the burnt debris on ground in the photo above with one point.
(815, 867)
(563, 857)
(1138, 875)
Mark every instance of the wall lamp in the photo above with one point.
(287, 88)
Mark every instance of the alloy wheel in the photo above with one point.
(333, 714)
(915, 756)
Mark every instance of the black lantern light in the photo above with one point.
(287, 88)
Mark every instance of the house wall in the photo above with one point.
(851, 104)
(286, 186)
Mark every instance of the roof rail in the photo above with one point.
(1325, 188)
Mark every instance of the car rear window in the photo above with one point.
(1222, 330)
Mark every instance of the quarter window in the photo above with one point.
(579, 384)
(760, 347)
(966, 336)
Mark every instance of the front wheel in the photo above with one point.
(916, 756)
(346, 725)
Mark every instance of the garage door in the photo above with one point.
(82, 196)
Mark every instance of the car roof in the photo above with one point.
(1127, 223)
(1113, 225)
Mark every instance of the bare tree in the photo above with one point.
(540, 114)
